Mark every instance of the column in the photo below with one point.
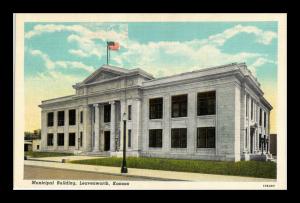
(87, 128)
(166, 123)
(136, 124)
(123, 109)
(191, 126)
(101, 128)
(66, 130)
(44, 130)
(55, 126)
(96, 128)
(112, 125)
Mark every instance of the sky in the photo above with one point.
(58, 55)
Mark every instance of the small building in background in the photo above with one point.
(36, 145)
(273, 144)
(27, 145)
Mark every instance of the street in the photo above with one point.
(36, 172)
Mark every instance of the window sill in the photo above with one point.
(178, 149)
(155, 148)
(207, 116)
(156, 119)
(178, 118)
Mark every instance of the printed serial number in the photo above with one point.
(268, 185)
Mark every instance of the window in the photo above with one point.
(265, 119)
(129, 112)
(129, 138)
(178, 138)
(206, 137)
(49, 139)
(156, 108)
(179, 106)
(72, 117)
(246, 106)
(81, 138)
(260, 116)
(107, 113)
(155, 138)
(81, 116)
(50, 117)
(60, 139)
(206, 103)
(71, 139)
(37, 147)
(251, 109)
(61, 118)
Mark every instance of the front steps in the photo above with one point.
(258, 157)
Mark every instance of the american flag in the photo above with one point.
(113, 46)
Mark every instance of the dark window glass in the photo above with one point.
(60, 139)
(81, 138)
(179, 106)
(129, 112)
(71, 139)
(156, 108)
(206, 103)
(260, 117)
(155, 138)
(37, 147)
(50, 139)
(81, 116)
(107, 113)
(129, 138)
(206, 137)
(178, 138)
(61, 118)
(72, 117)
(265, 119)
(50, 118)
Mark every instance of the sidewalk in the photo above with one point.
(60, 158)
(145, 173)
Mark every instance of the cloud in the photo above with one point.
(167, 58)
(85, 36)
(87, 47)
(48, 62)
(259, 62)
(50, 65)
(262, 37)
(78, 52)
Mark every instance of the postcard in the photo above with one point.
(150, 101)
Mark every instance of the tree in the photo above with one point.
(36, 134)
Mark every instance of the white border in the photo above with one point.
(19, 117)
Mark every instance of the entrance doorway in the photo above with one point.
(106, 140)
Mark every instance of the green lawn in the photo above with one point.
(242, 168)
(46, 154)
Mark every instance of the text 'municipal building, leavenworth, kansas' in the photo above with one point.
(217, 113)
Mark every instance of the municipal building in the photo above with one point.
(217, 113)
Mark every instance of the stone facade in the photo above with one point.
(240, 120)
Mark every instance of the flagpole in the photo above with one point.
(107, 53)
